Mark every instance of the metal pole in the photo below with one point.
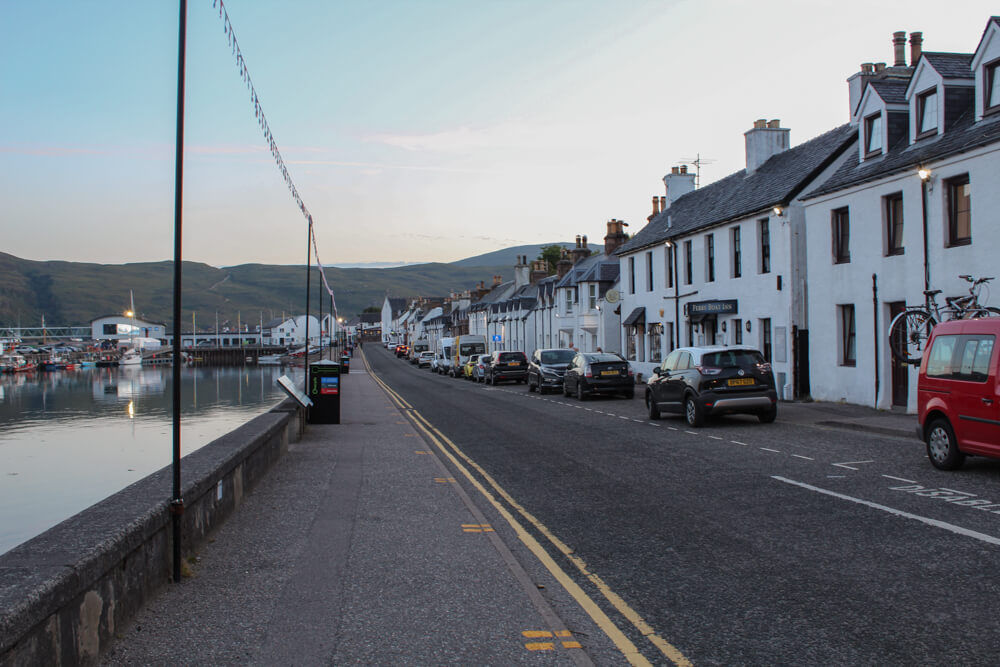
(177, 503)
(319, 300)
(305, 357)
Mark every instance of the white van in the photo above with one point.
(466, 346)
(443, 356)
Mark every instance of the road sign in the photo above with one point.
(497, 338)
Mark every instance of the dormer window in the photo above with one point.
(993, 87)
(873, 135)
(927, 113)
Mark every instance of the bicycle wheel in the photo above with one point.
(985, 311)
(908, 334)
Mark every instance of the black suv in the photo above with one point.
(507, 366)
(702, 381)
(547, 368)
(598, 373)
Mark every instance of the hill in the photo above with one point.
(74, 293)
(508, 256)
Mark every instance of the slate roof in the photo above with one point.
(371, 318)
(964, 136)
(397, 305)
(596, 268)
(892, 92)
(777, 181)
(951, 65)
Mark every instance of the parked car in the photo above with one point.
(598, 373)
(441, 365)
(467, 367)
(511, 366)
(481, 368)
(547, 368)
(713, 380)
(958, 404)
(402, 351)
(424, 360)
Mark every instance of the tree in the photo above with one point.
(372, 309)
(551, 255)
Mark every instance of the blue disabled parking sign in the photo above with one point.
(497, 338)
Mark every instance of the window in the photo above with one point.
(892, 212)
(840, 223)
(569, 301)
(737, 332)
(765, 338)
(992, 86)
(927, 113)
(669, 264)
(672, 343)
(655, 342)
(592, 297)
(848, 352)
(688, 264)
(873, 135)
(961, 357)
(734, 239)
(959, 210)
(110, 329)
(710, 258)
(764, 243)
(649, 271)
(631, 275)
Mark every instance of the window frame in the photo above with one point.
(710, 258)
(649, 271)
(952, 185)
(840, 227)
(631, 274)
(669, 265)
(764, 245)
(766, 341)
(922, 99)
(847, 321)
(736, 243)
(591, 296)
(870, 126)
(893, 224)
(688, 263)
(989, 71)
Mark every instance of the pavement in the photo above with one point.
(359, 548)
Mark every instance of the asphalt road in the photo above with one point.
(739, 543)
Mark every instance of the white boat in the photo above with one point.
(269, 360)
(132, 357)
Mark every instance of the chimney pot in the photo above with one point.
(774, 124)
(584, 240)
(656, 209)
(675, 170)
(663, 203)
(867, 68)
(759, 123)
(683, 169)
(899, 48)
(880, 67)
(916, 47)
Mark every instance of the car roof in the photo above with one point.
(987, 325)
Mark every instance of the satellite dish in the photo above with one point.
(612, 296)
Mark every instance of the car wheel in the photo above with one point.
(769, 415)
(565, 389)
(579, 392)
(654, 412)
(531, 387)
(692, 412)
(630, 394)
(942, 447)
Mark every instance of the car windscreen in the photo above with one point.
(466, 349)
(557, 356)
(728, 358)
(510, 356)
(602, 358)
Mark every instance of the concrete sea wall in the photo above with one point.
(65, 593)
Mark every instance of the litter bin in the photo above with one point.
(345, 362)
(324, 391)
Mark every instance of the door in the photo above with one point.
(900, 377)
(974, 398)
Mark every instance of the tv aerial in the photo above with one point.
(697, 161)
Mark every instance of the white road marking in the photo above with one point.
(737, 442)
(799, 456)
(899, 479)
(671, 428)
(768, 449)
(964, 493)
(958, 530)
(847, 464)
(691, 432)
(656, 425)
(715, 437)
(623, 417)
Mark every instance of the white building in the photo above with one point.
(290, 331)
(392, 309)
(880, 234)
(121, 328)
(724, 263)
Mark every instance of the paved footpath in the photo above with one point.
(359, 548)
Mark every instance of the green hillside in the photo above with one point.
(74, 293)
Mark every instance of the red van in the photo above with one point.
(958, 392)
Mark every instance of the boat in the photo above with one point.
(132, 357)
(270, 360)
(15, 363)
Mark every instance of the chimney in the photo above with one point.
(656, 206)
(916, 47)
(581, 251)
(497, 280)
(678, 183)
(899, 48)
(538, 271)
(856, 85)
(522, 273)
(879, 68)
(564, 264)
(616, 236)
(765, 140)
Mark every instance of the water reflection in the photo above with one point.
(70, 439)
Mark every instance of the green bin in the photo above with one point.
(324, 391)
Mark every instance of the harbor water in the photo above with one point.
(69, 439)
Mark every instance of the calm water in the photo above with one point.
(70, 439)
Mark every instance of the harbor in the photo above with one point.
(71, 438)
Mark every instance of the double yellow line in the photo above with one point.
(463, 464)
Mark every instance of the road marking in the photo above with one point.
(540, 646)
(848, 464)
(715, 437)
(623, 417)
(768, 449)
(671, 428)
(444, 480)
(637, 421)
(477, 528)
(958, 530)
(737, 442)
(420, 451)
(899, 479)
(691, 432)
(655, 424)
(799, 456)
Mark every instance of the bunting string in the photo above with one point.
(265, 128)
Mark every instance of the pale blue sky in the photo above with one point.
(414, 131)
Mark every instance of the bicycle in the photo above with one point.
(910, 329)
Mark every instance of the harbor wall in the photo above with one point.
(66, 593)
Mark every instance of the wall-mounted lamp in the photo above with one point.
(778, 211)
(723, 326)
(669, 244)
(748, 326)
(924, 173)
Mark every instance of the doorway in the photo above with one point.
(900, 370)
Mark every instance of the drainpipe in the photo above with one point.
(923, 210)
(875, 332)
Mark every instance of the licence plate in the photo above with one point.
(610, 373)
(514, 363)
(740, 382)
